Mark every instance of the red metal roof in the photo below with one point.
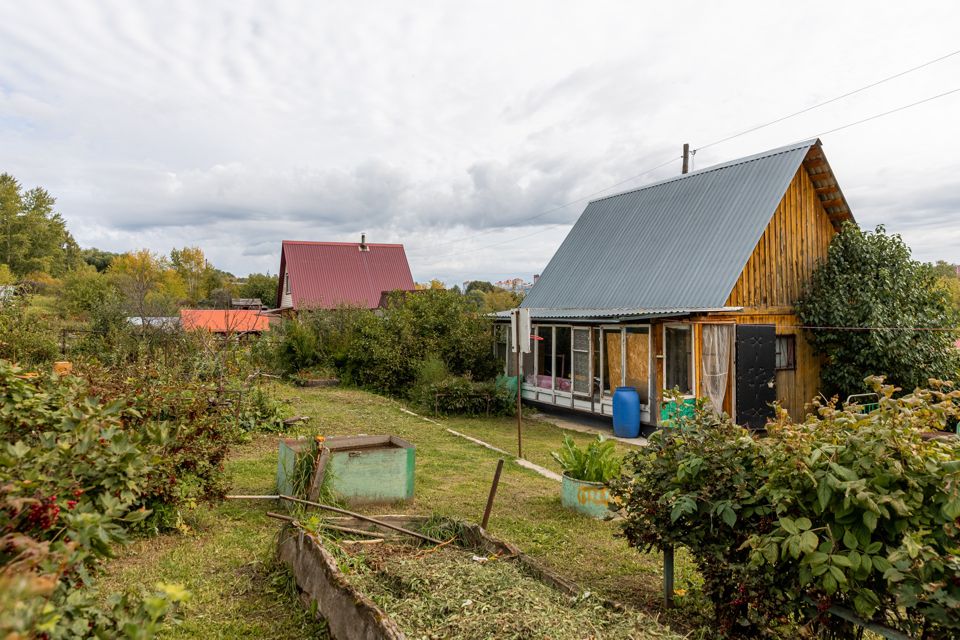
(325, 275)
(223, 320)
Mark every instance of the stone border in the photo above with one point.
(350, 614)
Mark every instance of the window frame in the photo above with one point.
(790, 355)
(688, 327)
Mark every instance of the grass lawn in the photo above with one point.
(225, 560)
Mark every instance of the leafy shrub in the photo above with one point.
(297, 347)
(846, 508)
(73, 477)
(24, 337)
(201, 420)
(870, 280)
(461, 396)
(598, 462)
(261, 412)
(386, 348)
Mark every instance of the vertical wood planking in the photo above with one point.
(797, 237)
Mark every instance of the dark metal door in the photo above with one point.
(756, 373)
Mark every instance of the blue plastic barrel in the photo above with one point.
(626, 412)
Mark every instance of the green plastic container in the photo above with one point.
(511, 383)
(589, 498)
(668, 412)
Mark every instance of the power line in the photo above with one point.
(823, 133)
(852, 328)
(830, 101)
(497, 244)
(885, 113)
(835, 129)
(558, 207)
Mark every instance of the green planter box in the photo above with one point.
(589, 498)
(363, 469)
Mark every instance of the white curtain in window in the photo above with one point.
(717, 345)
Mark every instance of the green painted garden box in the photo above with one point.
(362, 469)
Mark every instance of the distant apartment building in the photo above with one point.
(517, 285)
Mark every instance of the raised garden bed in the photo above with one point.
(474, 586)
(361, 469)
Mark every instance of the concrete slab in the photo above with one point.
(586, 424)
(526, 464)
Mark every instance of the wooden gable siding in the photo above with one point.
(784, 259)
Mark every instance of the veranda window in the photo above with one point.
(561, 361)
(678, 348)
(581, 362)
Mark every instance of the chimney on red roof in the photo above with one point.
(363, 242)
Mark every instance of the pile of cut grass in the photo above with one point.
(447, 593)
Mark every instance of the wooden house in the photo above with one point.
(687, 283)
(327, 275)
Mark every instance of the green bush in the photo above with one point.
(386, 348)
(28, 338)
(455, 395)
(849, 509)
(297, 347)
(73, 478)
(870, 280)
(598, 462)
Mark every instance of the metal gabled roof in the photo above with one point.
(615, 315)
(680, 243)
(325, 275)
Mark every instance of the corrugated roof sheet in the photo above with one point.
(325, 275)
(223, 320)
(610, 314)
(680, 243)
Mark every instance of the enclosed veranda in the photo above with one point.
(578, 362)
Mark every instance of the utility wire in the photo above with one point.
(823, 133)
(497, 244)
(885, 113)
(558, 207)
(843, 328)
(830, 101)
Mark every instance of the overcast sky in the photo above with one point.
(443, 125)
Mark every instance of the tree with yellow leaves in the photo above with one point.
(148, 282)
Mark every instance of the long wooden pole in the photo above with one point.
(360, 516)
(516, 344)
(686, 157)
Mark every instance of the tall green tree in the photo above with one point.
(98, 258)
(260, 285)
(878, 312)
(33, 237)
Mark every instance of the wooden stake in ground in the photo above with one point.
(493, 492)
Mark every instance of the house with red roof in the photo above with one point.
(224, 321)
(327, 275)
